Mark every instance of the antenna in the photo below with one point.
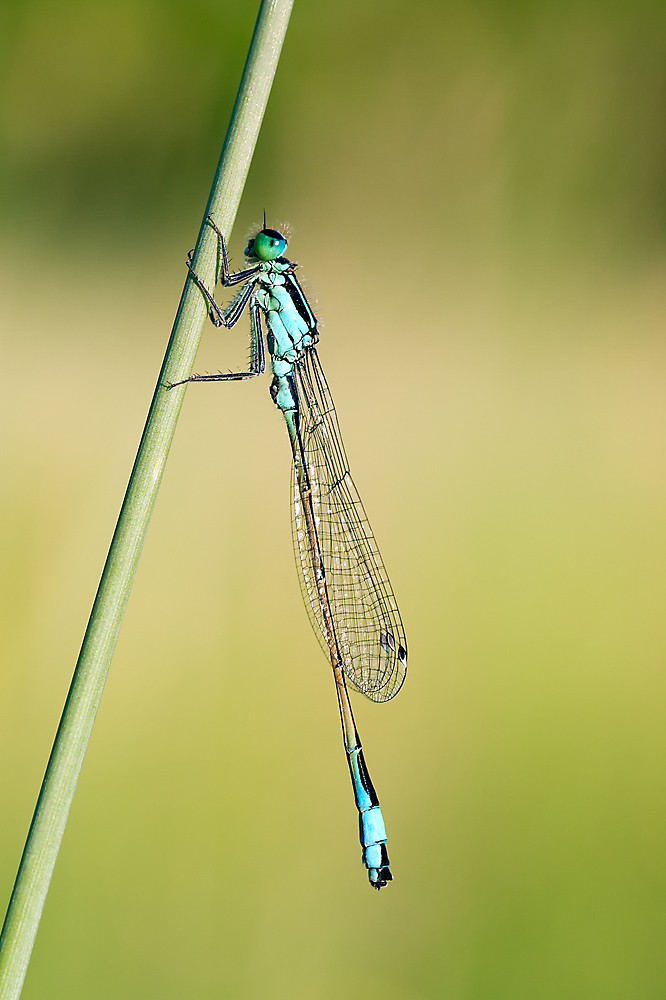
(264, 218)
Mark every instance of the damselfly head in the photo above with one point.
(267, 245)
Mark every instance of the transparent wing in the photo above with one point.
(368, 627)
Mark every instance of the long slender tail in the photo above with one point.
(371, 822)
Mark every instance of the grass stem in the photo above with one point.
(62, 771)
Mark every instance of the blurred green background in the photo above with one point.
(477, 193)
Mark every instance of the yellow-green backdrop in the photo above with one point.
(477, 194)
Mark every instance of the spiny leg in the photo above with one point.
(257, 357)
(228, 277)
(229, 316)
(217, 316)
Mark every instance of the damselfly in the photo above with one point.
(345, 586)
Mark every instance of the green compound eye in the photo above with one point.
(269, 244)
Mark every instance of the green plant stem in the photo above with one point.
(57, 791)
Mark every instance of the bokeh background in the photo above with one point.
(477, 192)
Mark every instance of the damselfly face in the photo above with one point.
(267, 245)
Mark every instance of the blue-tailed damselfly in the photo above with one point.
(345, 586)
